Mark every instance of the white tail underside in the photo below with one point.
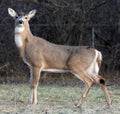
(94, 68)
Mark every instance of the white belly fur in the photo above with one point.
(55, 70)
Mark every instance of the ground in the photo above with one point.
(56, 100)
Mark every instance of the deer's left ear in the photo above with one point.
(12, 12)
(31, 14)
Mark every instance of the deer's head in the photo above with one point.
(21, 19)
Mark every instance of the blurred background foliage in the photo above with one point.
(67, 22)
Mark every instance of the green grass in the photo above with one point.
(56, 100)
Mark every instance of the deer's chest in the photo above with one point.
(18, 40)
(18, 37)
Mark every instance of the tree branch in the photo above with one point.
(5, 65)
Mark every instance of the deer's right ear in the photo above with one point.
(12, 13)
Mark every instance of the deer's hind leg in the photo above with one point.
(101, 81)
(87, 80)
(105, 90)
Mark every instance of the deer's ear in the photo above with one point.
(12, 13)
(31, 14)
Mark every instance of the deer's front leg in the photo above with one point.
(34, 81)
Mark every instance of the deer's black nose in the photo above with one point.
(20, 22)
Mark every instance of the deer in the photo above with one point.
(40, 55)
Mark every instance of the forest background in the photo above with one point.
(66, 22)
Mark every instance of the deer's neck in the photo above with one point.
(20, 38)
(20, 35)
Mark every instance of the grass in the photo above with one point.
(56, 100)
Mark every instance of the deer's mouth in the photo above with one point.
(20, 25)
(19, 29)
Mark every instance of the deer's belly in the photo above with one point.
(56, 70)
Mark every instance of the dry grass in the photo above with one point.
(56, 100)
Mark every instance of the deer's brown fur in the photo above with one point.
(41, 55)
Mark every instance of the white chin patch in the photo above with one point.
(18, 40)
(19, 29)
